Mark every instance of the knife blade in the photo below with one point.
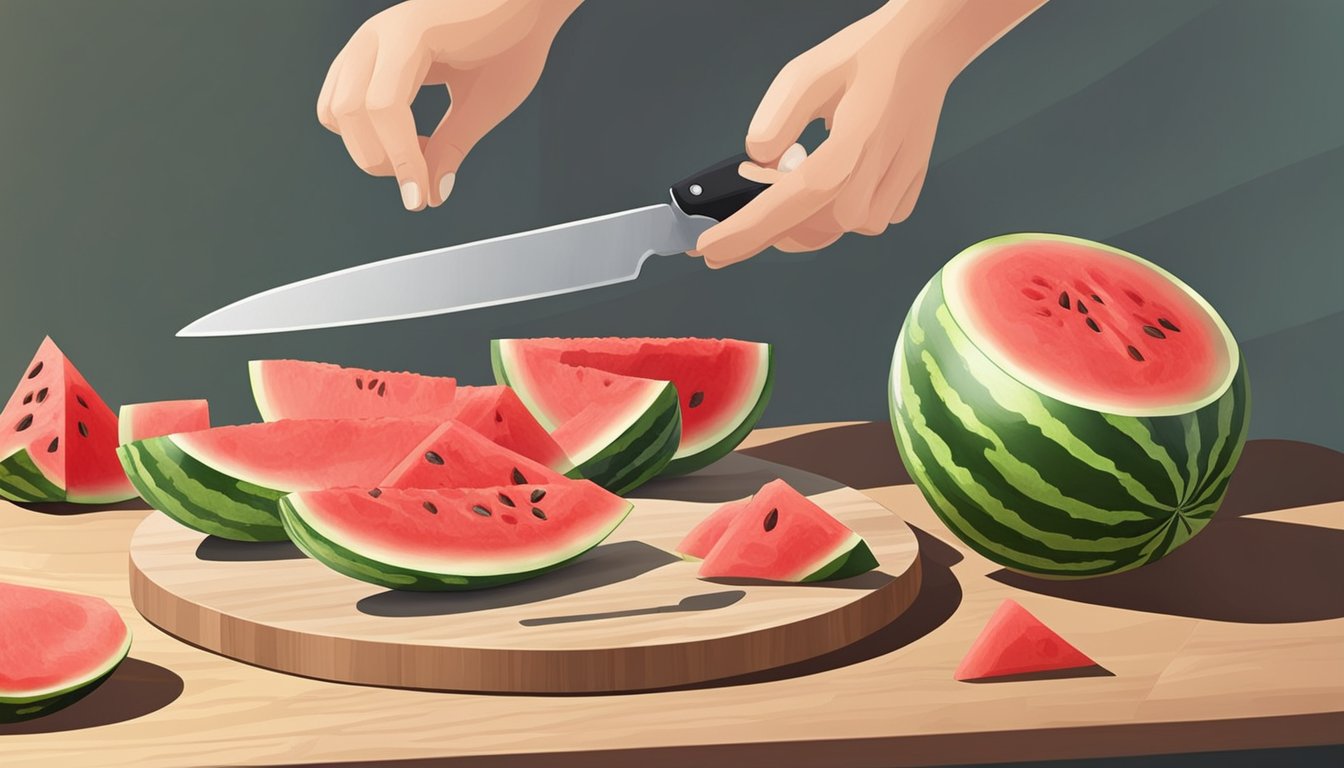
(564, 258)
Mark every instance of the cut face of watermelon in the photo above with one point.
(225, 481)
(620, 431)
(704, 536)
(1014, 642)
(298, 389)
(1090, 325)
(447, 539)
(138, 421)
(781, 535)
(58, 438)
(723, 384)
(55, 647)
(497, 413)
(456, 456)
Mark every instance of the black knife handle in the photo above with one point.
(717, 192)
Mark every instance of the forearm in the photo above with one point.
(952, 33)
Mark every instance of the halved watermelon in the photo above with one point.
(620, 431)
(299, 389)
(138, 421)
(55, 647)
(456, 456)
(451, 539)
(781, 535)
(497, 413)
(704, 536)
(58, 439)
(225, 481)
(1014, 642)
(724, 384)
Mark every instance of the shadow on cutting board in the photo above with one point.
(861, 456)
(64, 508)
(225, 551)
(729, 479)
(135, 689)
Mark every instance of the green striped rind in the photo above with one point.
(16, 708)
(199, 496)
(1041, 486)
(681, 465)
(21, 480)
(858, 560)
(350, 563)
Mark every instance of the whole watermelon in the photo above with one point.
(1067, 408)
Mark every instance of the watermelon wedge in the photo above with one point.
(723, 384)
(781, 535)
(58, 438)
(456, 456)
(138, 421)
(299, 389)
(451, 539)
(497, 413)
(225, 481)
(704, 536)
(620, 431)
(1014, 642)
(55, 647)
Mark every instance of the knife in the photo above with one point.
(529, 265)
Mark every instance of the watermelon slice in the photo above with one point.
(723, 384)
(59, 437)
(1014, 642)
(456, 456)
(620, 431)
(138, 421)
(451, 539)
(497, 413)
(298, 389)
(225, 481)
(704, 536)
(55, 647)
(781, 535)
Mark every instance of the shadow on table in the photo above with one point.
(1240, 568)
(62, 508)
(134, 690)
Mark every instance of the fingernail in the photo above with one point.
(446, 185)
(792, 158)
(410, 195)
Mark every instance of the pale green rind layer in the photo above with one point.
(350, 563)
(16, 705)
(21, 480)
(858, 559)
(751, 414)
(198, 496)
(1042, 486)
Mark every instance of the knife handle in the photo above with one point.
(717, 192)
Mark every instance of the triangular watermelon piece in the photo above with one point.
(498, 414)
(455, 456)
(704, 536)
(1014, 642)
(300, 389)
(58, 439)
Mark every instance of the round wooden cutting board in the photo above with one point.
(629, 615)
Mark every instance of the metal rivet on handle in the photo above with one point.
(695, 189)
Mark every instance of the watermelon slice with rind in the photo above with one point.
(707, 533)
(300, 389)
(781, 535)
(137, 421)
(55, 647)
(58, 439)
(1015, 642)
(497, 413)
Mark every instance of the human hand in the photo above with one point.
(879, 86)
(489, 53)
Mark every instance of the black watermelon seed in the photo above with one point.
(28, 398)
(83, 430)
(1097, 299)
(80, 400)
(372, 384)
(1082, 307)
(696, 399)
(482, 511)
(375, 492)
(359, 383)
(433, 458)
(505, 500)
(1093, 325)
(430, 508)
(382, 388)
(1134, 353)
(36, 370)
(518, 478)
(41, 394)
(1170, 326)
(537, 513)
(538, 495)
(499, 417)
(55, 442)
(1154, 332)
(24, 423)
(771, 520)
(1064, 299)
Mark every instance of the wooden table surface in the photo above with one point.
(1234, 641)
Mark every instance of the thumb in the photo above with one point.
(800, 93)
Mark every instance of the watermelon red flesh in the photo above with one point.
(298, 389)
(707, 533)
(782, 535)
(58, 439)
(422, 539)
(138, 421)
(54, 648)
(722, 384)
(1014, 642)
(498, 414)
(1091, 326)
(456, 456)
